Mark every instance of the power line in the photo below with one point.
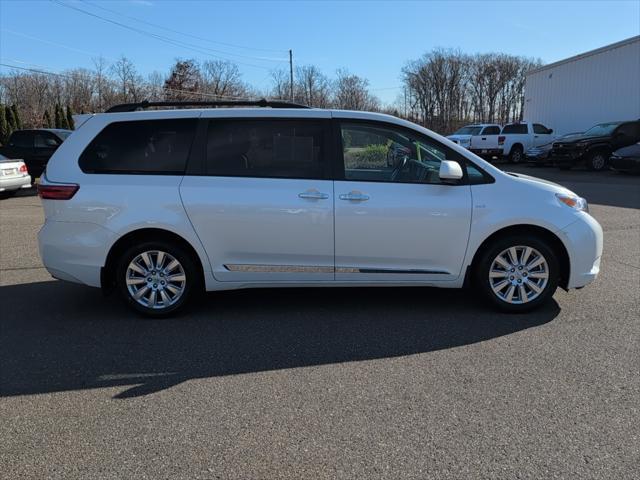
(60, 45)
(162, 38)
(182, 33)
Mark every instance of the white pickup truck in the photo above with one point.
(512, 142)
(463, 136)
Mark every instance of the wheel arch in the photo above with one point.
(525, 229)
(518, 145)
(107, 272)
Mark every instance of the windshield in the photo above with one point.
(469, 130)
(602, 129)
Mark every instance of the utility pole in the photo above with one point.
(291, 74)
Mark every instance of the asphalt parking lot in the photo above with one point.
(341, 383)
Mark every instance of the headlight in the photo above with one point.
(573, 201)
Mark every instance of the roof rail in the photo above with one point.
(132, 107)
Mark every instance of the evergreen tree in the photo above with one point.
(16, 115)
(46, 119)
(70, 123)
(57, 120)
(11, 120)
(4, 127)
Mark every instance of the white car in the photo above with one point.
(160, 204)
(464, 135)
(13, 176)
(514, 139)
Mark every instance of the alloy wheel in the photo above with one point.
(155, 279)
(598, 161)
(518, 274)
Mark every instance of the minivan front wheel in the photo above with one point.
(155, 278)
(518, 273)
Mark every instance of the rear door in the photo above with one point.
(397, 222)
(262, 202)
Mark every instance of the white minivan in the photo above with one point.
(161, 204)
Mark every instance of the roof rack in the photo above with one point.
(132, 107)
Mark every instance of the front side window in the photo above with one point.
(141, 147)
(495, 130)
(540, 129)
(630, 130)
(385, 154)
(46, 141)
(270, 148)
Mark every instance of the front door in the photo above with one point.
(395, 220)
(263, 206)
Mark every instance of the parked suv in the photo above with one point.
(35, 147)
(595, 146)
(162, 204)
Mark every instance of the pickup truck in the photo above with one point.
(512, 142)
(35, 147)
(463, 136)
(594, 147)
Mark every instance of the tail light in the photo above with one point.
(501, 139)
(58, 191)
(23, 168)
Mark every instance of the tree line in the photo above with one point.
(441, 90)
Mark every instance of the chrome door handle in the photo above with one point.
(313, 195)
(354, 197)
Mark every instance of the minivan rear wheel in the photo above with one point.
(517, 273)
(155, 278)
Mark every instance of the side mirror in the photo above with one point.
(450, 170)
(550, 130)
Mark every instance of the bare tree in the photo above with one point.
(223, 79)
(351, 92)
(128, 80)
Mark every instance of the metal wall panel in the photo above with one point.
(577, 93)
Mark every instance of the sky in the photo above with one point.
(373, 39)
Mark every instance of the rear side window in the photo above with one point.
(21, 140)
(491, 131)
(267, 148)
(515, 128)
(141, 147)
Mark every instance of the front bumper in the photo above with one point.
(15, 183)
(583, 240)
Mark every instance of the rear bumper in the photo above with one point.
(74, 251)
(583, 239)
(15, 183)
(487, 152)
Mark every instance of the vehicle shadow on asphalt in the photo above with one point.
(58, 337)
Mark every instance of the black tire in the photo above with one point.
(597, 160)
(486, 260)
(516, 155)
(8, 193)
(186, 262)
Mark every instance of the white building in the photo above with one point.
(598, 86)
